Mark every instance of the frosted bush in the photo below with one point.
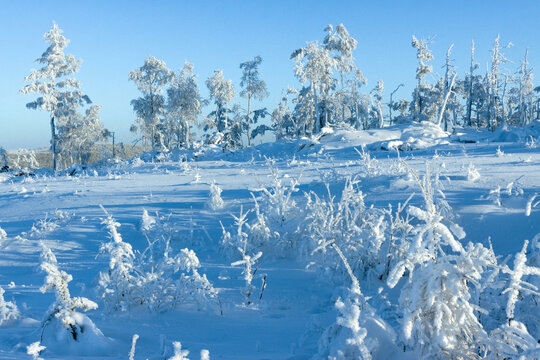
(34, 349)
(249, 262)
(358, 332)
(215, 202)
(278, 212)
(8, 310)
(3, 234)
(67, 328)
(156, 278)
(357, 230)
(371, 166)
(472, 173)
(117, 285)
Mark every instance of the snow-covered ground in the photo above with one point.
(487, 184)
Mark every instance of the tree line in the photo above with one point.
(330, 94)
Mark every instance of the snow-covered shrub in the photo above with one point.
(358, 332)
(35, 349)
(215, 202)
(516, 285)
(249, 262)
(155, 278)
(528, 207)
(63, 328)
(278, 212)
(472, 173)
(3, 234)
(370, 165)
(357, 230)
(117, 285)
(238, 239)
(8, 310)
(438, 319)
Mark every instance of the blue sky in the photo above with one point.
(113, 38)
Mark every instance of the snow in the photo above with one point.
(298, 303)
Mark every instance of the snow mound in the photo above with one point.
(408, 136)
(504, 133)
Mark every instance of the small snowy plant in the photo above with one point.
(215, 202)
(116, 285)
(35, 349)
(358, 332)
(3, 234)
(516, 285)
(67, 327)
(472, 173)
(8, 310)
(249, 262)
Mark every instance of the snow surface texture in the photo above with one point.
(295, 300)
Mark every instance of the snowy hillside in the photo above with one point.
(302, 204)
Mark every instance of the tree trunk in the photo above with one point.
(248, 121)
(53, 143)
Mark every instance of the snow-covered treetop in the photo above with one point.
(313, 63)
(251, 83)
(183, 94)
(60, 93)
(423, 54)
(339, 40)
(152, 76)
(221, 90)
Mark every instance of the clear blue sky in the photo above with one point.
(114, 37)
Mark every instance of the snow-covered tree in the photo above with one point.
(150, 79)
(283, 121)
(525, 91)
(469, 87)
(252, 87)
(222, 93)
(423, 54)
(342, 45)
(183, 105)
(377, 108)
(314, 66)
(496, 100)
(60, 94)
(80, 133)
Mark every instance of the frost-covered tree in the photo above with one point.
(469, 87)
(59, 92)
(252, 87)
(448, 90)
(150, 79)
(222, 93)
(342, 45)
(314, 67)
(80, 133)
(525, 91)
(423, 54)
(184, 105)
(496, 100)
(377, 108)
(284, 123)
